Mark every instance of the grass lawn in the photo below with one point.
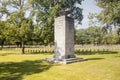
(31, 67)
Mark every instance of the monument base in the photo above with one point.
(59, 58)
(65, 61)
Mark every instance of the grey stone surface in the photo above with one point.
(64, 37)
(64, 12)
(64, 61)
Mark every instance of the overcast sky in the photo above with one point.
(89, 6)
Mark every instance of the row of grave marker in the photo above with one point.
(52, 51)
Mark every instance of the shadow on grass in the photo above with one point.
(95, 52)
(16, 70)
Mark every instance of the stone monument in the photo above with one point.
(64, 39)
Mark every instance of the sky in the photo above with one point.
(88, 6)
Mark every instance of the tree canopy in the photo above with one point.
(18, 27)
(110, 13)
(45, 12)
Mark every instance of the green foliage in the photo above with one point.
(110, 13)
(47, 10)
(97, 36)
(81, 37)
(18, 27)
(2, 33)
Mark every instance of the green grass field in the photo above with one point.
(14, 66)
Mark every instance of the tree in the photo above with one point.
(19, 26)
(47, 10)
(110, 13)
(82, 36)
(2, 33)
(97, 36)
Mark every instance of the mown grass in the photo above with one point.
(14, 66)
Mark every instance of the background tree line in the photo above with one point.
(97, 36)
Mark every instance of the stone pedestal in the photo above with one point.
(64, 38)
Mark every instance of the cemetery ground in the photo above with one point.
(101, 64)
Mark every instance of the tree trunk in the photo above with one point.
(22, 46)
(2, 44)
